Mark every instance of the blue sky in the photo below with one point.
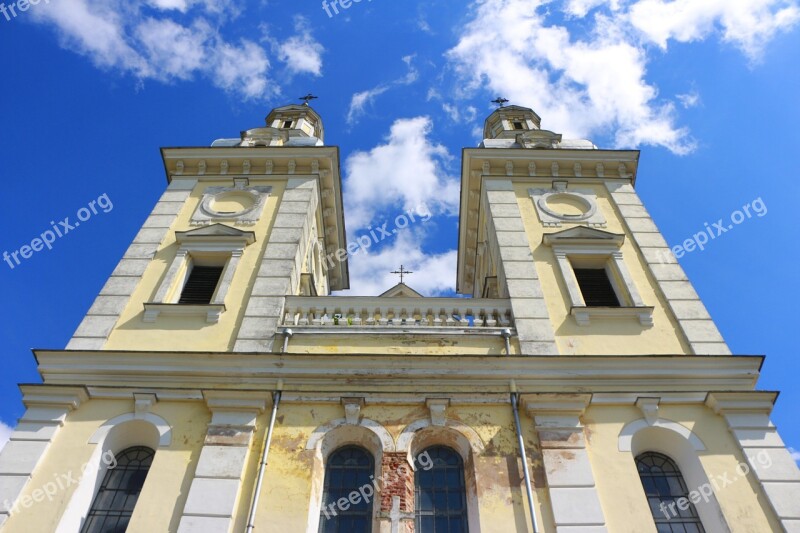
(707, 89)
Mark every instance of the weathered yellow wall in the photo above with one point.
(288, 483)
(604, 336)
(400, 344)
(167, 486)
(620, 489)
(193, 333)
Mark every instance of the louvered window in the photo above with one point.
(200, 286)
(596, 287)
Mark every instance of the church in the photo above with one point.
(218, 385)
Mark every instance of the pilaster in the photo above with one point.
(101, 318)
(279, 273)
(217, 484)
(47, 408)
(573, 492)
(747, 415)
(516, 270)
(699, 329)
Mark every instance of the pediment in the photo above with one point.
(215, 232)
(401, 290)
(583, 235)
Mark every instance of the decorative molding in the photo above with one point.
(410, 431)
(142, 403)
(649, 408)
(162, 426)
(551, 218)
(206, 214)
(626, 435)
(438, 410)
(211, 312)
(317, 436)
(352, 410)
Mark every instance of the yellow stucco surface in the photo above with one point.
(604, 336)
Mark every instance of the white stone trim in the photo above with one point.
(549, 218)
(334, 435)
(112, 437)
(421, 434)
(161, 425)
(698, 328)
(318, 435)
(747, 415)
(631, 303)
(205, 214)
(229, 248)
(632, 428)
(406, 439)
(682, 446)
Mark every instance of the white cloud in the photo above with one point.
(748, 24)
(580, 8)
(795, 455)
(585, 82)
(360, 100)
(689, 100)
(578, 86)
(117, 35)
(407, 171)
(370, 274)
(5, 433)
(302, 53)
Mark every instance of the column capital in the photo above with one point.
(549, 404)
(69, 398)
(756, 402)
(235, 408)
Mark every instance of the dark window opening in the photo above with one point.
(518, 126)
(287, 124)
(113, 506)
(200, 286)
(440, 494)
(596, 287)
(664, 485)
(348, 469)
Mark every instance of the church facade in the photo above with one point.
(217, 386)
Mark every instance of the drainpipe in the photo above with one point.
(287, 334)
(521, 441)
(262, 467)
(506, 334)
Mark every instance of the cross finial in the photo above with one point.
(403, 272)
(500, 101)
(307, 98)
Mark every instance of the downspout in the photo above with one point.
(287, 334)
(506, 334)
(521, 441)
(262, 467)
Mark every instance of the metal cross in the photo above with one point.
(500, 101)
(402, 272)
(307, 98)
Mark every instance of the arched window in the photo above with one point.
(667, 495)
(349, 470)
(440, 493)
(113, 506)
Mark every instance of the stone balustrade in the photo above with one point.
(405, 313)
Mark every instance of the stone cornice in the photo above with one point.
(48, 395)
(742, 401)
(399, 373)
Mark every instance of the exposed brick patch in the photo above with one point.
(398, 480)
